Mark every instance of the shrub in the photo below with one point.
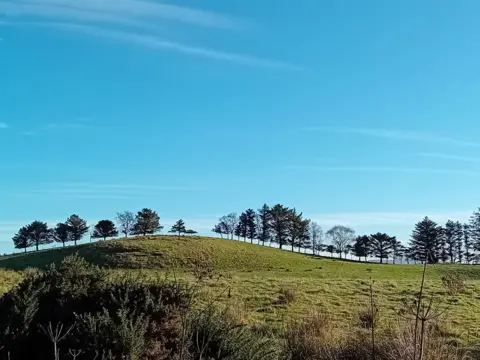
(287, 294)
(454, 283)
(125, 318)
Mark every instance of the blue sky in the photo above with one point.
(360, 113)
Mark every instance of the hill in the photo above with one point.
(257, 276)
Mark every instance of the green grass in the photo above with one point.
(254, 274)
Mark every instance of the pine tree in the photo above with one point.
(361, 247)
(104, 229)
(39, 234)
(21, 239)
(78, 227)
(242, 227)
(450, 236)
(251, 226)
(62, 233)
(294, 228)
(381, 245)
(191, 232)
(178, 227)
(425, 240)
(458, 236)
(264, 224)
(467, 243)
(147, 222)
(475, 230)
(280, 217)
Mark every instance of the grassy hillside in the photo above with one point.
(256, 276)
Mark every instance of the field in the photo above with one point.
(251, 278)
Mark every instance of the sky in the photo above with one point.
(361, 113)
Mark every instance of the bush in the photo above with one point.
(454, 283)
(127, 318)
(287, 294)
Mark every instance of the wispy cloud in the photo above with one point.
(59, 126)
(102, 191)
(450, 157)
(403, 135)
(3, 125)
(127, 12)
(382, 169)
(154, 42)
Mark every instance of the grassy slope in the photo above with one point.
(255, 273)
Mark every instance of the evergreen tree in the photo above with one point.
(147, 222)
(126, 222)
(397, 250)
(264, 229)
(341, 236)
(316, 236)
(221, 228)
(304, 235)
(467, 243)
(251, 226)
(442, 246)
(458, 235)
(425, 240)
(381, 245)
(191, 232)
(450, 237)
(178, 227)
(39, 234)
(361, 247)
(242, 227)
(62, 233)
(78, 227)
(294, 227)
(280, 218)
(21, 239)
(104, 229)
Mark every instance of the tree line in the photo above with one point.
(145, 222)
(454, 242)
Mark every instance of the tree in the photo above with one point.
(361, 247)
(475, 230)
(104, 229)
(178, 227)
(425, 240)
(126, 222)
(78, 227)
(467, 242)
(39, 234)
(381, 245)
(147, 222)
(458, 241)
(397, 250)
(452, 235)
(294, 228)
(241, 227)
(21, 240)
(191, 232)
(280, 218)
(264, 224)
(219, 229)
(316, 236)
(251, 226)
(62, 233)
(341, 236)
(331, 249)
(229, 223)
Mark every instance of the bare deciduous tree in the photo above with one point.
(341, 236)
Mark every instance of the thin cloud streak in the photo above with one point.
(450, 157)
(172, 46)
(382, 169)
(3, 125)
(128, 12)
(123, 187)
(404, 135)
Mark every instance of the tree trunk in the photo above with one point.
(36, 245)
(63, 243)
(25, 250)
(381, 260)
(104, 238)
